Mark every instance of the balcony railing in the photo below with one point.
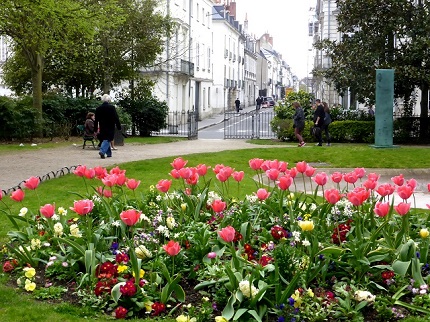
(187, 67)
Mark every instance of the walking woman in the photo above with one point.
(299, 123)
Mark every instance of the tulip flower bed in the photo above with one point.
(198, 253)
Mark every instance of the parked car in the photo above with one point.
(269, 100)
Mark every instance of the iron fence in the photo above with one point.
(248, 125)
(182, 124)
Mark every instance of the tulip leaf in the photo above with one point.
(179, 291)
(115, 292)
(332, 250)
(255, 315)
(401, 267)
(228, 311)
(239, 313)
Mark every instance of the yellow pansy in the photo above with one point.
(141, 273)
(29, 272)
(121, 268)
(29, 286)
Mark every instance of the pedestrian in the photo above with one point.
(258, 101)
(89, 125)
(318, 118)
(237, 103)
(371, 111)
(327, 121)
(106, 120)
(299, 123)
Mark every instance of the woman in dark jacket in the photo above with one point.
(299, 123)
(89, 125)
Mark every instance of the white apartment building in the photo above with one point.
(4, 53)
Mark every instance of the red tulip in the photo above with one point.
(238, 175)
(175, 174)
(164, 185)
(255, 163)
(193, 180)
(32, 183)
(385, 189)
(293, 172)
(373, 176)
(116, 170)
(405, 192)
(178, 163)
(310, 171)
(262, 194)
(89, 173)
(223, 175)
(185, 173)
(282, 166)
(18, 195)
(130, 217)
(320, 178)
(172, 248)
(360, 172)
(381, 209)
(301, 166)
(218, 205)
(358, 196)
(80, 170)
(336, 177)
(398, 180)
(402, 208)
(110, 180)
(100, 172)
(132, 184)
(202, 169)
(121, 179)
(218, 168)
(227, 234)
(47, 210)
(370, 184)
(350, 177)
(272, 174)
(332, 196)
(285, 182)
(83, 207)
(412, 183)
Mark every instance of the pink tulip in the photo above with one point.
(350, 177)
(282, 167)
(272, 174)
(117, 171)
(130, 217)
(185, 173)
(301, 166)
(332, 196)
(193, 180)
(255, 164)
(1, 194)
(262, 194)
(172, 248)
(132, 184)
(202, 169)
(178, 163)
(321, 178)
(405, 192)
(218, 205)
(47, 210)
(292, 172)
(402, 208)
(238, 175)
(100, 172)
(412, 183)
(370, 184)
(32, 183)
(164, 185)
(227, 234)
(107, 193)
(218, 168)
(211, 255)
(17, 195)
(285, 182)
(83, 207)
(428, 187)
(398, 180)
(360, 172)
(373, 176)
(80, 170)
(121, 179)
(222, 176)
(336, 177)
(110, 180)
(175, 174)
(358, 196)
(90, 173)
(385, 189)
(381, 209)
(310, 171)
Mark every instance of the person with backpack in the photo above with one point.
(327, 121)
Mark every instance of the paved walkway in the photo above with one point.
(16, 167)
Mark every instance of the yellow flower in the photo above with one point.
(29, 285)
(121, 268)
(310, 293)
(291, 196)
(184, 318)
(220, 319)
(148, 306)
(424, 233)
(297, 299)
(29, 272)
(306, 225)
(141, 274)
(62, 211)
(183, 206)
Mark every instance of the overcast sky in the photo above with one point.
(287, 22)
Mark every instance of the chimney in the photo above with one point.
(232, 9)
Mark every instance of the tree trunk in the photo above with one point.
(424, 120)
(36, 79)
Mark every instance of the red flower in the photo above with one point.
(405, 192)
(202, 169)
(132, 184)
(121, 179)
(238, 175)
(282, 166)
(130, 217)
(262, 194)
(17, 195)
(178, 163)
(385, 189)
(321, 178)
(100, 172)
(285, 182)
(175, 174)
(158, 308)
(332, 196)
(264, 260)
(237, 237)
(301, 166)
(370, 184)
(272, 174)
(164, 185)
(172, 248)
(185, 173)
(412, 183)
(255, 163)
(110, 180)
(107, 269)
(116, 171)
(47, 210)
(83, 207)
(382, 209)
(339, 233)
(32, 183)
(89, 173)
(128, 289)
(310, 171)
(387, 275)
(218, 205)
(120, 312)
(227, 234)
(80, 170)
(121, 258)
(293, 172)
(398, 180)
(350, 177)
(360, 172)
(402, 208)
(8, 267)
(373, 176)
(428, 187)
(193, 180)
(278, 232)
(358, 196)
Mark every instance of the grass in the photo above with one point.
(18, 306)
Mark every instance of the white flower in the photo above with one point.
(143, 217)
(74, 231)
(61, 211)
(252, 198)
(296, 235)
(58, 229)
(116, 223)
(170, 221)
(55, 217)
(158, 198)
(23, 212)
(364, 296)
(306, 242)
(142, 252)
(248, 289)
(35, 243)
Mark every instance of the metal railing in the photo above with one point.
(249, 125)
(182, 123)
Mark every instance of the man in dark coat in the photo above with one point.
(237, 103)
(319, 115)
(105, 122)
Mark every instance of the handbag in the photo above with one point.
(316, 131)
